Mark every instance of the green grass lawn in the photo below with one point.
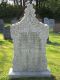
(52, 52)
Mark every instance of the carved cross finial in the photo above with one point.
(29, 11)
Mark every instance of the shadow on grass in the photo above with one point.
(35, 78)
(10, 40)
(53, 43)
(4, 42)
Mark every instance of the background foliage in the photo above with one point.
(49, 8)
(10, 11)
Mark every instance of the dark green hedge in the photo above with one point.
(45, 12)
(10, 11)
(49, 8)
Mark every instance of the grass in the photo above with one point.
(5, 57)
(52, 52)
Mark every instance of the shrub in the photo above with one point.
(57, 14)
(45, 12)
(49, 8)
(10, 11)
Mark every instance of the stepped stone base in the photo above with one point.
(13, 74)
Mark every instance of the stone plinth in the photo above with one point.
(29, 37)
(13, 74)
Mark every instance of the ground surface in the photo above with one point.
(52, 52)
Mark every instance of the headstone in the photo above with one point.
(14, 21)
(6, 33)
(51, 23)
(57, 27)
(29, 38)
(46, 21)
(1, 25)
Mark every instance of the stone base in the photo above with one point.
(28, 74)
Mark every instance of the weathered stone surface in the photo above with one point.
(46, 21)
(13, 21)
(1, 25)
(6, 33)
(29, 37)
(56, 28)
(52, 23)
(49, 22)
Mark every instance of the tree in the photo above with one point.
(16, 2)
(36, 6)
(23, 2)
